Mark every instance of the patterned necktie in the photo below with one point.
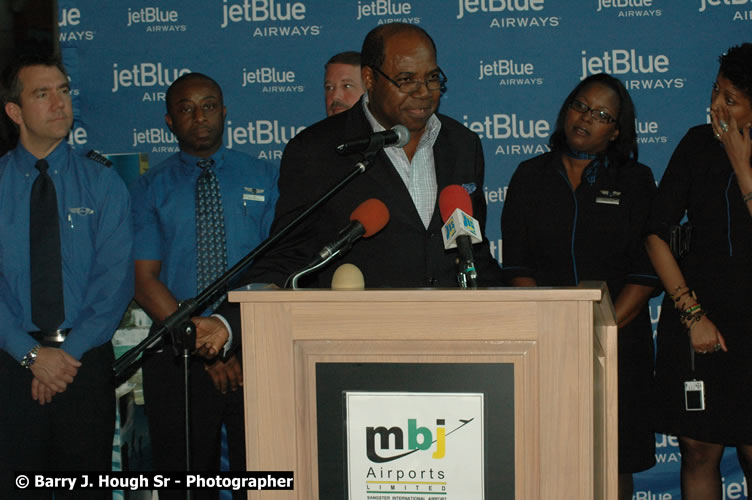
(47, 306)
(211, 249)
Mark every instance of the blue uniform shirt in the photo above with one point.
(164, 212)
(95, 240)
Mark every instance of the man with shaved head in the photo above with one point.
(195, 215)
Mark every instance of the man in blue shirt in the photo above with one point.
(171, 265)
(57, 398)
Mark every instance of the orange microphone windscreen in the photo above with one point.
(372, 214)
(453, 197)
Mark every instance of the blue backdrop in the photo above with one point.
(510, 64)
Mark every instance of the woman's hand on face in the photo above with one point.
(738, 145)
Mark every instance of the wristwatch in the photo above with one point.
(30, 357)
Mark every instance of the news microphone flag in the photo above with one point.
(460, 224)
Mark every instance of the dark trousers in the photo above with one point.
(72, 433)
(163, 394)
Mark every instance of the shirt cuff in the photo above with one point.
(229, 331)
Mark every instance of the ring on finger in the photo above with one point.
(717, 135)
(723, 125)
(716, 347)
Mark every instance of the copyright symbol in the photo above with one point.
(22, 481)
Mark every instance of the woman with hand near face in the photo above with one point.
(578, 213)
(704, 332)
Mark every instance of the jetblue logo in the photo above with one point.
(605, 4)
(153, 136)
(383, 8)
(623, 61)
(474, 6)
(261, 10)
(151, 15)
(704, 4)
(505, 126)
(267, 75)
(69, 22)
(260, 132)
(145, 75)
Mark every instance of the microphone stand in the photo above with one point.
(467, 276)
(292, 280)
(182, 330)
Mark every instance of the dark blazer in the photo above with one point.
(403, 254)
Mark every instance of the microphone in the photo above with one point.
(367, 219)
(398, 136)
(460, 231)
(348, 277)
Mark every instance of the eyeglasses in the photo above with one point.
(600, 116)
(434, 81)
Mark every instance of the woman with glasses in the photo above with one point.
(704, 334)
(578, 213)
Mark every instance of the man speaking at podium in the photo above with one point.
(404, 84)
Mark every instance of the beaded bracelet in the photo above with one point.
(677, 297)
(681, 299)
(691, 316)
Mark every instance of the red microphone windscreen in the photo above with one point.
(373, 214)
(453, 197)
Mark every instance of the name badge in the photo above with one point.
(608, 197)
(253, 194)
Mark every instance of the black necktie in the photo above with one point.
(211, 249)
(47, 308)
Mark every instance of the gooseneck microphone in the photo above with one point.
(398, 136)
(460, 231)
(367, 219)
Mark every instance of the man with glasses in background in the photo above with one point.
(404, 84)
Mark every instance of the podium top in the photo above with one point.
(587, 291)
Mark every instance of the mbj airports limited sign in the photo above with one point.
(404, 446)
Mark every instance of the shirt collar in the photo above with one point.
(56, 159)
(190, 160)
(429, 135)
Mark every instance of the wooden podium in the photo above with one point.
(561, 341)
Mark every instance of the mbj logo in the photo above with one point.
(714, 3)
(473, 6)
(145, 75)
(418, 438)
(261, 10)
(622, 61)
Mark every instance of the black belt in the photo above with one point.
(51, 336)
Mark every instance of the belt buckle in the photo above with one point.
(51, 336)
